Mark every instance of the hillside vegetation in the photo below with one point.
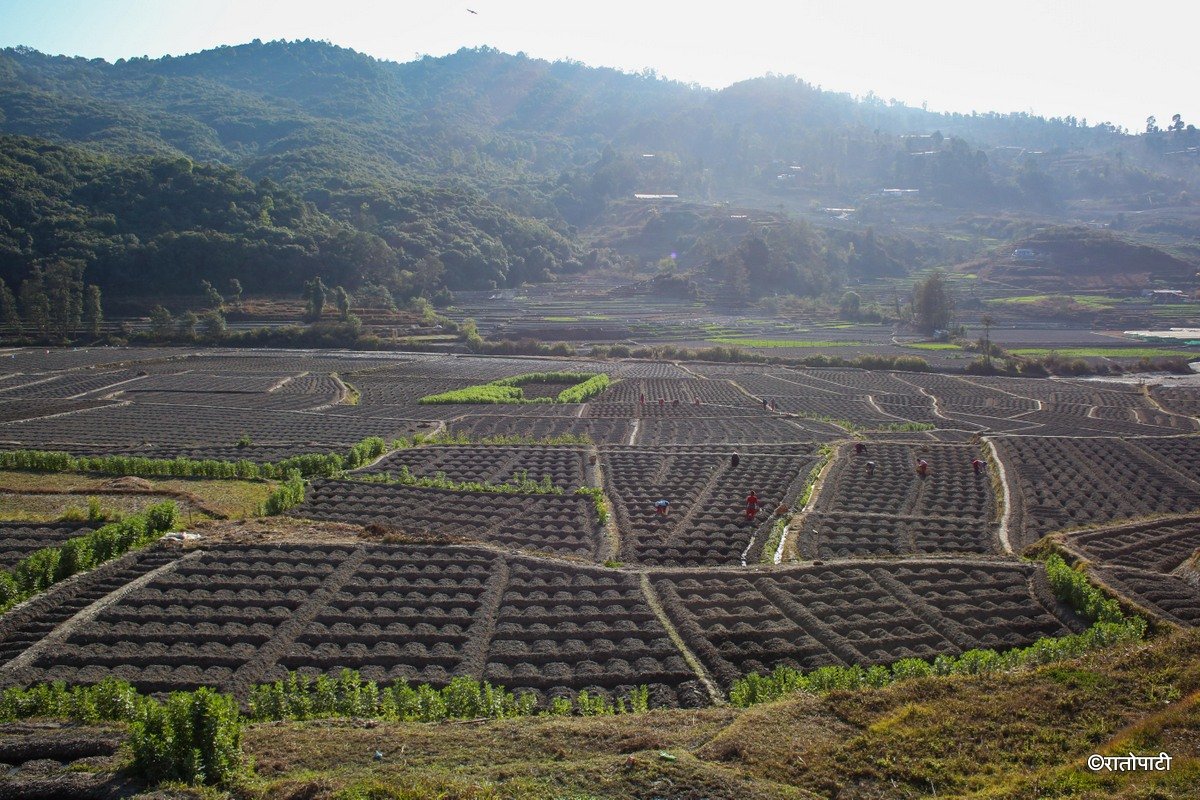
(274, 162)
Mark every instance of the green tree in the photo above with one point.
(212, 325)
(212, 296)
(93, 314)
(341, 299)
(162, 324)
(64, 291)
(429, 274)
(9, 316)
(987, 321)
(35, 305)
(850, 306)
(315, 293)
(187, 324)
(235, 291)
(933, 304)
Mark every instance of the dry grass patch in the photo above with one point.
(40, 496)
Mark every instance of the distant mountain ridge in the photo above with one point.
(491, 164)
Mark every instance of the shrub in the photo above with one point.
(287, 495)
(195, 737)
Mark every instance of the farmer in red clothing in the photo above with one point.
(977, 465)
(751, 505)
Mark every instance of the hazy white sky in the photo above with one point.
(1100, 60)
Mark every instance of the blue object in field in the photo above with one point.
(662, 504)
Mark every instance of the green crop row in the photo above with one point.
(43, 568)
(1109, 626)
(308, 465)
(196, 737)
(521, 483)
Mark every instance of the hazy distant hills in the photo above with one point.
(493, 162)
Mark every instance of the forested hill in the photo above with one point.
(487, 163)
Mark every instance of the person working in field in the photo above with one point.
(662, 507)
(870, 468)
(922, 467)
(734, 460)
(977, 465)
(859, 448)
(751, 506)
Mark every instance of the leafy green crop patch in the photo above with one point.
(1093, 302)
(508, 391)
(933, 346)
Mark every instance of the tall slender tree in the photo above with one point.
(315, 293)
(35, 305)
(341, 299)
(933, 304)
(93, 314)
(10, 318)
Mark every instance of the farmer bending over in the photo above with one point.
(977, 465)
(922, 467)
(662, 507)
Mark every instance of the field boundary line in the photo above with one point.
(796, 613)
(1039, 403)
(87, 614)
(800, 518)
(108, 404)
(35, 382)
(343, 393)
(106, 388)
(871, 402)
(475, 660)
(1006, 493)
(1158, 461)
(252, 671)
(652, 600)
(783, 536)
(793, 489)
(950, 630)
(612, 533)
(838, 389)
(1146, 390)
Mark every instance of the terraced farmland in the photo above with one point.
(521, 544)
